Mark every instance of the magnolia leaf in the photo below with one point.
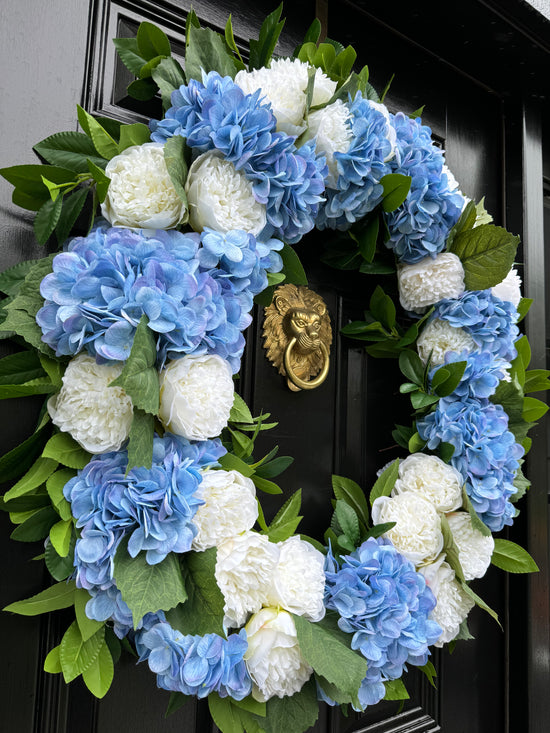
(60, 537)
(55, 485)
(20, 458)
(88, 627)
(328, 651)
(54, 598)
(350, 492)
(487, 254)
(224, 714)
(52, 663)
(202, 613)
(36, 527)
(60, 568)
(62, 448)
(148, 588)
(139, 377)
(396, 189)
(99, 675)
(296, 713)
(512, 558)
(292, 267)
(41, 469)
(75, 654)
(385, 482)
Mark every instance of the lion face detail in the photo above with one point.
(297, 312)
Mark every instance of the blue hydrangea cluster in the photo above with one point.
(108, 605)
(360, 168)
(100, 288)
(196, 665)
(153, 507)
(485, 453)
(481, 376)
(217, 115)
(420, 226)
(490, 321)
(385, 604)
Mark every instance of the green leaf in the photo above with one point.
(139, 377)
(273, 468)
(446, 379)
(135, 134)
(103, 142)
(202, 613)
(148, 588)
(102, 181)
(466, 221)
(174, 157)
(367, 238)
(11, 279)
(350, 492)
(512, 558)
(168, 76)
(395, 690)
(130, 56)
(224, 714)
(75, 654)
(88, 627)
(28, 179)
(72, 206)
(54, 598)
(533, 409)
(479, 602)
(521, 484)
(60, 537)
(52, 663)
(292, 267)
(396, 189)
(536, 380)
(287, 517)
(240, 411)
(251, 705)
(36, 527)
(20, 458)
(46, 219)
(451, 549)
(476, 521)
(261, 50)
(230, 41)
(296, 713)
(62, 448)
(177, 700)
(412, 367)
(60, 567)
(55, 485)
(385, 482)
(99, 675)
(487, 254)
(348, 521)
(142, 89)
(206, 50)
(69, 150)
(152, 41)
(266, 486)
(383, 308)
(41, 469)
(429, 670)
(230, 462)
(327, 650)
(524, 307)
(140, 443)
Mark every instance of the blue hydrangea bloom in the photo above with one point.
(385, 604)
(217, 115)
(481, 376)
(107, 605)
(420, 226)
(360, 168)
(196, 665)
(485, 453)
(154, 507)
(490, 321)
(100, 288)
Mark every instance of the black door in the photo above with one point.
(344, 427)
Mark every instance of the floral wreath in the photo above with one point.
(140, 475)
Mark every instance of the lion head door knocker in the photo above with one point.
(297, 336)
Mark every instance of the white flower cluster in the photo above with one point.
(330, 126)
(426, 489)
(439, 337)
(429, 281)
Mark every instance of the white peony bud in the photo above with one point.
(141, 194)
(229, 508)
(439, 337)
(509, 289)
(273, 658)
(284, 85)
(453, 603)
(332, 132)
(298, 583)
(244, 568)
(429, 281)
(433, 479)
(417, 532)
(97, 416)
(196, 396)
(221, 198)
(474, 549)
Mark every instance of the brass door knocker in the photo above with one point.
(297, 336)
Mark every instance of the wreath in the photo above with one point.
(140, 476)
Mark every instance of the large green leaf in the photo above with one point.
(72, 206)
(99, 675)
(168, 76)
(385, 482)
(350, 492)
(139, 378)
(64, 449)
(140, 443)
(296, 713)
(206, 51)
(152, 41)
(292, 267)
(487, 254)
(103, 142)
(148, 588)
(60, 595)
(75, 654)
(20, 458)
(37, 526)
(135, 134)
(127, 49)
(60, 567)
(512, 558)
(174, 157)
(87, 626)
(20, 368)
(202, 613)
(261, 50)
(69, 150)
(41, 469)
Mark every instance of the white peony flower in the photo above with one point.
(298, 583)
(284, 85)
(221, 198)
(429, 281)
(96, 415)
(273, 658)
(332, 132)
(141, 193)
(229, 508)
(453, 604)
(439, 337)
(196, 396)
(433, 479)
(417, 533)
(509, 289)
(474, 549)
(244, 568)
